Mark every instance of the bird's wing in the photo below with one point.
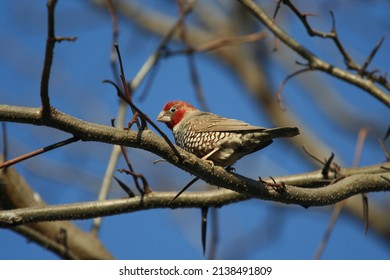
(204, 122)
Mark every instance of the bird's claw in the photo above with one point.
(230, 168)
(210, 162)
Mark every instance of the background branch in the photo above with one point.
(314, 62)
(15, 193)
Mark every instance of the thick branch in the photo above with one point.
(149, 141)
(338, 191)
(62, 237)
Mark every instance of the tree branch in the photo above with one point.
(354, 184)
(61, 237)
(314, 62)
(149, 141)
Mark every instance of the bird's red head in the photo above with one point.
(173, 112)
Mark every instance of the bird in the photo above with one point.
(219, 140)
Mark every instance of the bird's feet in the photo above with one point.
(230, 168)
(210, 162)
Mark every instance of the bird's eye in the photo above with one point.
(173, 110)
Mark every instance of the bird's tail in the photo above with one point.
(281, 132)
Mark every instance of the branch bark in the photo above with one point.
(307, 192)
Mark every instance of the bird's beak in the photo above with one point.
(162, 117)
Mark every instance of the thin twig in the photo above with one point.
(148, 83)
(281, 86)
(327, 167)
(50, 43)
(358, 152)
(325, 239)
(5, 141)
(340, 205)
(48, 61)
(313, 156)
(359, 145)
(146, 189)
(59, 39)
(204, 211)
(189, 184)
(370, 57)
(214, 234)
(125, 188)
(57, 145)
(385, 149)
(144, 118)
(131, 169)
(115, 35)
(383, 145)
(220, 43)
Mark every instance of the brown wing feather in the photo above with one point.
(204, 122)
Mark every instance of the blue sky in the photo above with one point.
(249, 230)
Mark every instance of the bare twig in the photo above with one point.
(325, 239)
(115, 35)
(204, 211)
(59, 39)
(214, 234)
(363, 69)
(358, 151)
(5, 141)
(385, 149)
(281, 87)
(327, 167)
(316, 158)
(57, 145)
(383, 145)
(359, 145)
(220, 43)
(131, 169)
(125, 188)
(50, 43)
(340, 205)
(146, 189)
(189, 184)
